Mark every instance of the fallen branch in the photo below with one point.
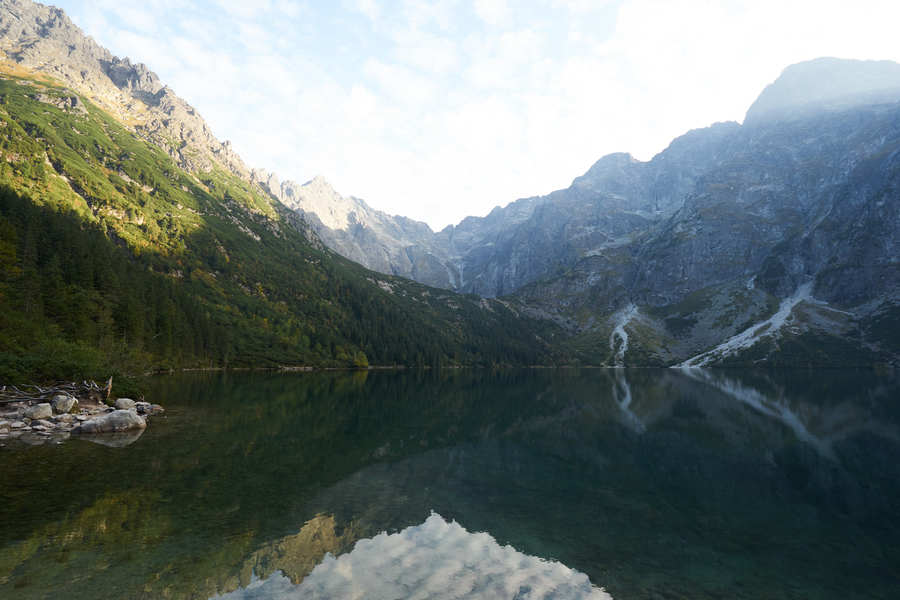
(34, 393)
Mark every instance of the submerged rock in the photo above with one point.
(148, 409)
(116, 421)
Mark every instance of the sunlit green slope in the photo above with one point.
(116, 260)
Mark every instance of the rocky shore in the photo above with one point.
(64, 415)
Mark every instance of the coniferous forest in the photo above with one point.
(114, 260)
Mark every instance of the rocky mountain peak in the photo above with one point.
(133, 77)
(610, 167)
(319, 197)
(826, 84)
(319, 185)
(315, 198)
(42, 39)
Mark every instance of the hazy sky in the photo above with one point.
(438, 109)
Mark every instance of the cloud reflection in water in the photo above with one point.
(436, 560)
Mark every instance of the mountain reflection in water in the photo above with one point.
(651, 483)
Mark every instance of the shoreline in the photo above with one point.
(56, 414)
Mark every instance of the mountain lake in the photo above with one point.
(630, 484)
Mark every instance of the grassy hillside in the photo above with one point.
(116, 260)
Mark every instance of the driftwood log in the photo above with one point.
(86, 390)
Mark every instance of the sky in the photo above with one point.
(440, 109)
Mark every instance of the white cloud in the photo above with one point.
(492, 12)
(438, 109)
(581, 6)
(425, 51)
(429, 13)
(400, 84)
(241, 9)
(369, 8)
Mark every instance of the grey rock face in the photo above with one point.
(793, 201)
(381, 242)
(43, 39)
(116, 421)
(532, 238)
(809, 201)
(39, 411)
(66, 103)
(826, 84)
(617, 200)
(719, 205)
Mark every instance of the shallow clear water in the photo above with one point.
(648, 483)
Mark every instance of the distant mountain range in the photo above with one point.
(798, 206)
(773, 241)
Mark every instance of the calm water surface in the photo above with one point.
(648, 483)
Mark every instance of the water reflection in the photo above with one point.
(652, 483)
(621, 393)
(435, 560)
(114, 440)
(820, 425)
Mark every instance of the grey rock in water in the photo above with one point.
(63, 403)
(124, 404)
(39, 411)
(148, 409)
(116, 421)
